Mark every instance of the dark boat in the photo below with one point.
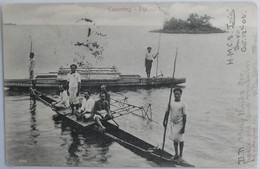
(113, 132)
(94, 77)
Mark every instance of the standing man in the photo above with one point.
(31, 68)
(149, 60)
(177, 123)
(74, 84)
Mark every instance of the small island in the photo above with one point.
(194, 24)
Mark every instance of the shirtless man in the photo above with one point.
(101, 110)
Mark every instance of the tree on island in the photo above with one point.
(196, 20)
(193, 24)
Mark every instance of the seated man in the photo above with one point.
(86, 109)
(101, 110)
(104, 89)
(64, 99)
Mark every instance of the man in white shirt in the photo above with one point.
(177, 123)
(149, 60)
(64, 99)
(86, 109)
(74, 81)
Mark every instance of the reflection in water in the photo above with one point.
(147, 97)
(73, 158)
(88, 147)
(34, 132)
(57, 121)
(97, 146)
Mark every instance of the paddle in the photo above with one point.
(165, 121)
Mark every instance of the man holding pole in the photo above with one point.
(149, 60)
(177, 113)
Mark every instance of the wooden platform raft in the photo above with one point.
(94, 77)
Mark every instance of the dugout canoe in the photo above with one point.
(93, 78)
(113, 132)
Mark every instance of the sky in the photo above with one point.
(149, 14)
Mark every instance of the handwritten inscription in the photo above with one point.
(230, 39)
(254, 46)
(127, 9)
(243, 32)
(237, 33)
(248, 118)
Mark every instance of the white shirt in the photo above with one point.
(87, 105)
(149, 56)
(32, 64)
(64, 98)
(177, 110)
(73, 79)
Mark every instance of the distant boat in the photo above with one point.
(94, 77)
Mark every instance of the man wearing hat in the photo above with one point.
(149, 60)
(74, 81)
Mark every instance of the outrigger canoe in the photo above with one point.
(113, 132)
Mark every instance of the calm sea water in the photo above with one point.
(211, 93)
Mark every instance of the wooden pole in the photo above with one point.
(31, 44)
(165, 122)
(157, 59)
(157, 63)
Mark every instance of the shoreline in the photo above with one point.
(186, 31)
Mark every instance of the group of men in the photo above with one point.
(97, 110)
(90, 109)
(87, 108)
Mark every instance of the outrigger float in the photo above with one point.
(113, 132)
(93, 77)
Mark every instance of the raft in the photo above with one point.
(93, 77)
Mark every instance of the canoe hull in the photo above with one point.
(122, 137)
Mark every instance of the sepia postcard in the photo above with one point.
(131, 84)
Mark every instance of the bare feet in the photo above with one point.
(175, 157)
(103, 128)
(180, 159)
